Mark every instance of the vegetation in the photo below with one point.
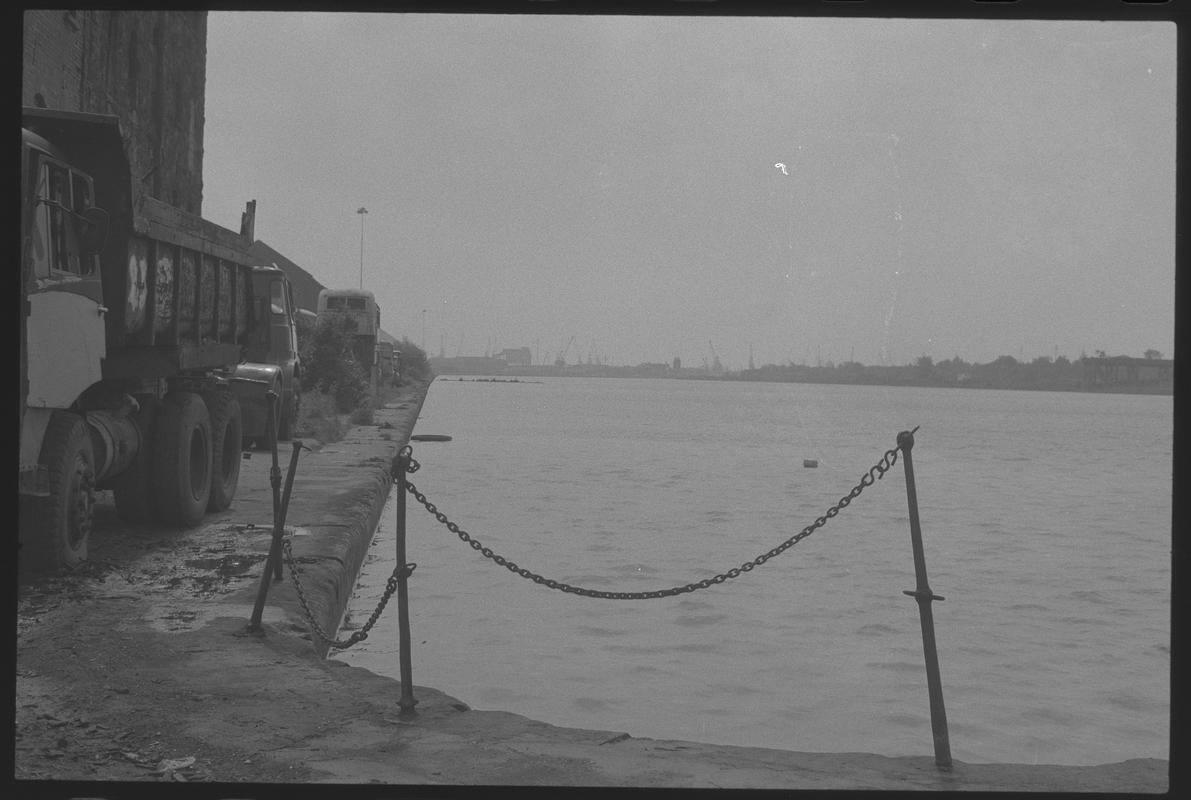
(329, 365)
(319, 419)
(336, 389)
(414, 364)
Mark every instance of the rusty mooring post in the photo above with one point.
(274, 561)
(924, 596)
(407, 701)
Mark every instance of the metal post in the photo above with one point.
(924, 596)
(273, 562)
(362, 211)
(289, 485)
(407, 701)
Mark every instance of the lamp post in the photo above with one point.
(362, 211)
(423, 330)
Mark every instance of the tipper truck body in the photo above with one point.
(136, 317)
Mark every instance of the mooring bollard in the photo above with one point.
(273, 563)
(924, 596)
(407, 701)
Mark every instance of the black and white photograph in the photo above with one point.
(440, 400)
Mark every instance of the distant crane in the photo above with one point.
(716, 366)
(561, 361)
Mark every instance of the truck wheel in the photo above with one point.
(227, 433)
(182, 464)
(132, 488)
(60, 524)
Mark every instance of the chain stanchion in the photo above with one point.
(281, 551)
(285, 495)
(924, 596)
(397, 583)
(273, 563)
(875, 473)
(401, 573)
(362, 633)
(407, 701)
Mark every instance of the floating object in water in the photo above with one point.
(429, 437)
(810, 463)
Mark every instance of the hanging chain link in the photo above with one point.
(875, 473)
(400, 571)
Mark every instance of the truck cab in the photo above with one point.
(63, 233)
(271, 357)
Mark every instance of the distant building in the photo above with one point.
(1110, 371)
(650, 370)
(520, 357)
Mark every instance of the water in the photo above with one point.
(1046, 523)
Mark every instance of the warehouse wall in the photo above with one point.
(146, 67)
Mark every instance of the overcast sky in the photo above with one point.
(647, 188)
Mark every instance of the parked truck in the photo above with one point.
(136, 317)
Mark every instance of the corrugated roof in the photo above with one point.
(306, 286)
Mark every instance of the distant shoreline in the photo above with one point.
(515, 374)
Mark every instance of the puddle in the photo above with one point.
(236, 564)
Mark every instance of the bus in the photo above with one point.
(357, 309)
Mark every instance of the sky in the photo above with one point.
(633, 189)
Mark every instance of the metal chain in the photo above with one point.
(400, 571)
(875, 473)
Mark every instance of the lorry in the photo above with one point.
(137, 320)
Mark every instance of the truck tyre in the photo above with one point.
(132, 488)
(182, 464)
(227, 432)
(60, 524)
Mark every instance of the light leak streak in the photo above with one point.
(891, 150)
(898, 216)
(780, 165)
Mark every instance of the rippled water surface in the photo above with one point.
(1045, 517)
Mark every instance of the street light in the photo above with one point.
(423, 330)
(362, 211)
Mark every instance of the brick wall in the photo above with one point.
(146, 67)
